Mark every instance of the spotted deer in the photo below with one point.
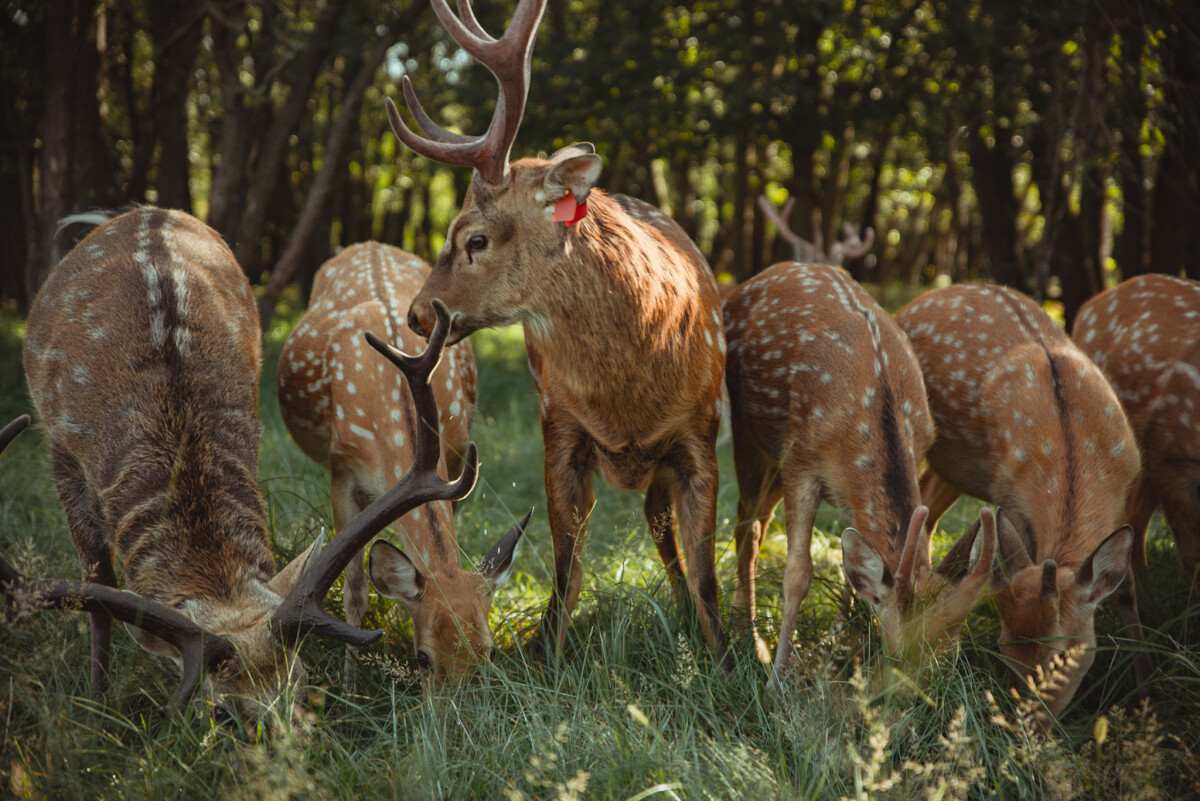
(1144, 334)
(1027, 422)
(621, 317)
(352, 414)
(143, 358)
(826, 401)
(852, 247)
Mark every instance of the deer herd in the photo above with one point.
(143, 358)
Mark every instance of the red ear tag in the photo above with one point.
(567, 211)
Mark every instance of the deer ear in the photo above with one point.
(285, 580)
(497, 566)
(1014, 555)
(1107, 567)
(577, 149)
(864, 568)
(578, 173)
(393, 575)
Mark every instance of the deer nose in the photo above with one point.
(414, 321)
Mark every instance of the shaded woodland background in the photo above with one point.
(1045, 146)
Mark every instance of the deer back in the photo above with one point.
(1144, 334)
(1027, 422)
(825, 383)
(143, 357)
(341, 402)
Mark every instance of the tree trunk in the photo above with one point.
(273, 150)
(992, 175)
(241, 121)
(67, 158)
(177, 26)
(323, 185)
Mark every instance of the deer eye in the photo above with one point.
(477, 242)
(423, 662)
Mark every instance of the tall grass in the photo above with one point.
(634, 708)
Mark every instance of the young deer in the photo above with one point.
(827, 402)
(353, 415)
(1145, 336)
(143, 357)
(853, 247)
(1027, 422)
(622, 325)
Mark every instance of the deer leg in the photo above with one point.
(95, 558)
(755, 511)
(801, 500)
(1139, 508)
(569, 501)
(938, 495)
(695, 497)
(657, 508)
(1181, 505)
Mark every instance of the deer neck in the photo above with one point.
(617, 299)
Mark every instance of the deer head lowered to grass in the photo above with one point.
(621, 316)
(143, 356)
(353, 415)
(1027, 422)
(826, 401)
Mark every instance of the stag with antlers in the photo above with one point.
(622, 324)
(143, 358)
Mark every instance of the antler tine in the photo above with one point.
(818, 240)
(780, 220)
(201, 651)
(10, 431)
(467, 15)
(508, 58)
(428, 127)
(852, 247)
(301, 612)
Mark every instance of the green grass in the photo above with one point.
(634, 709)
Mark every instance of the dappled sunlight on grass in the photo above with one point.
(635, 707)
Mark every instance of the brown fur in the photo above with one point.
(623, 334)
(1027, 422)
(1145, 335)
(339, 399)
(826, 403)
(143, 358)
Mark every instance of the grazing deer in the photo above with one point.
(826, 401)
(143, 357)
(853, 247)
(622, 324)
(1027, 422)
(353, 415)
(1145, 336)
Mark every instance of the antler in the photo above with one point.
(507, 58)
(852, 247)
(201, 651)
(301, 612)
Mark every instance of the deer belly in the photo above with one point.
(629, 468)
